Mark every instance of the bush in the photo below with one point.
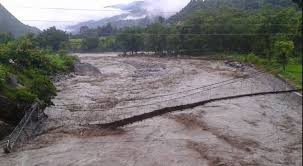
(6, 37)
(43, 88)
(3, 75)
(53, 38)
(33, 68)
(3, 72)
(251, 58)
(283, 49)
(25, 96)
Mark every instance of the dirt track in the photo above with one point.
(248, 131)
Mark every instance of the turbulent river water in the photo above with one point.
(264, 130)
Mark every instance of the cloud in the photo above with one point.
(166, 7)
(33, 12)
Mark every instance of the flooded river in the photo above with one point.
(264, 130)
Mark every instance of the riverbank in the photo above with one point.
(292, 74)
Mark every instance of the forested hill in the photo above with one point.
(10, 24)
(196, 5)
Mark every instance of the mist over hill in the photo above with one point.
(138, 13)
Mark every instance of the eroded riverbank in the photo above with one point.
(248, 131)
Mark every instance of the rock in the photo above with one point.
(61, 77)
(13, 81)
(236, 65)
(86, 69)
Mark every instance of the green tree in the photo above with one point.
(173, 41)
(131, 40)
(53, 38)
(6, 37)
(157, 38)
(90, 43)
(283, 49)
(108, 44)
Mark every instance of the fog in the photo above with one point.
(61, 13)
(165, 7)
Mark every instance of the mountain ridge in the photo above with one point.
(10, 24)
(135, 14)
(129, 6)
(249, 5)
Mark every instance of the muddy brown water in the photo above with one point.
(263, 130)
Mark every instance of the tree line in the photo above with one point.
(221, 30)
(224, 30)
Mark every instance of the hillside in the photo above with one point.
(249, 5)
(135, 14)
(10, 24)
(120, 21)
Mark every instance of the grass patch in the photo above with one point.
(292, 74)
(61, 63)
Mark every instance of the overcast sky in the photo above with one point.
(31, 12)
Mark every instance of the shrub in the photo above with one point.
(6, 37)
(33, 68)
(61, 62)
(3, 74)
(283, 50)
(43, 88)
(251, 58)
(25, 96)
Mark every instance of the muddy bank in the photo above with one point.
(248, 131)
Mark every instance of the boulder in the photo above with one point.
(236, 65)
(13, 81)
(86, 69)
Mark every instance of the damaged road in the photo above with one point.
(261, 130)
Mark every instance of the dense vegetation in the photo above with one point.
(222, 30)
(244, 5)
(53, 39)
(207, 28)
(25, 72)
